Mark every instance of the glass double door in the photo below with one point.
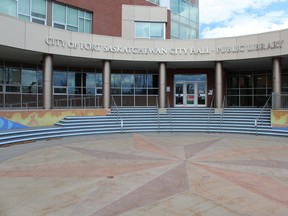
(190, 93)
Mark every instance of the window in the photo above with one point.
(1, 78)
(248, 88)
(33, 11)
(12, 79)
(134, 88)
(184, 19)
(29, 81)
(150, 30)
(8, 7)
(285, 81)
(60, 82)
(154, 1)
(63, 17)
(71, 19)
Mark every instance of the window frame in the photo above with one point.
(149, 30)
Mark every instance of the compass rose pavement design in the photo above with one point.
(165, 174)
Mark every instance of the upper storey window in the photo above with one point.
(64, 17)
(28, 10)
(71, 19)
(150, 30)
(184, 19)
(154, 1)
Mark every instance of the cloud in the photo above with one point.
(230, 18)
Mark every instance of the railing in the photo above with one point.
(70, 103)
(261, 115)
(119, 117)
(83, 101)
(222, 113)
(22, 105)
(210, 114)
(169, 114)
(158, 114)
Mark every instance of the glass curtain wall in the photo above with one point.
(134, 87)
(285, 81)
(184, 19)
(63, 17)
(20, 85)
(248, 88)
(77, 87)
(71, 19)
(28, 10)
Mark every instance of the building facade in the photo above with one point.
(87, 58)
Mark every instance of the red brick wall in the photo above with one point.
(107, 14)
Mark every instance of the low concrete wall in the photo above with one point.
(279, 118)
(36, 118)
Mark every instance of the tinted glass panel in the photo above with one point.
(12, 76)
(142, 30)
(8, 7)
(72, 16)
(39, 8)
(24, 7)
(60, 79)
(59, 13)
(29, 81)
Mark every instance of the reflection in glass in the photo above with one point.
(116, 80)
(59, 78)
(140, 81)
(190, 88)
(1, 75)
(12, 76)
(141, 30)
(29, 81)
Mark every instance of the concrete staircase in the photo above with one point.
(130, 120)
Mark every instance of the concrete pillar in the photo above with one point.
(47, 81)
(276, 88)
(276, 62)
(106, 77)
(218, 85)
(162, 85)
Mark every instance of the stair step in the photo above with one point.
(232, 120)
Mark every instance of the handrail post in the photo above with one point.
(222, 112)
(169, 113)
(210, 113)
(158, 115)
(119, 118)
(260, 115)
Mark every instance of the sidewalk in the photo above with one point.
(164, 174)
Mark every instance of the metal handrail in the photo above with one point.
(169, 113)
(119, 117)
(26, 105)
(222, 112)
(70, 101)
(210, 113)
(158, 114)
(261, 114)
(82, 99)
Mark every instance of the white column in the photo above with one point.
(276, 89)
(106, 77)
(218, 85)
(276, 75)
(47, 81)
(162, 85)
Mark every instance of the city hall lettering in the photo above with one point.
(163, 51)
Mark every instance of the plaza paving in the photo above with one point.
(161, 174)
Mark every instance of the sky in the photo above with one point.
(226, 18)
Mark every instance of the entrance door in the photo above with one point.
(190, 93)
